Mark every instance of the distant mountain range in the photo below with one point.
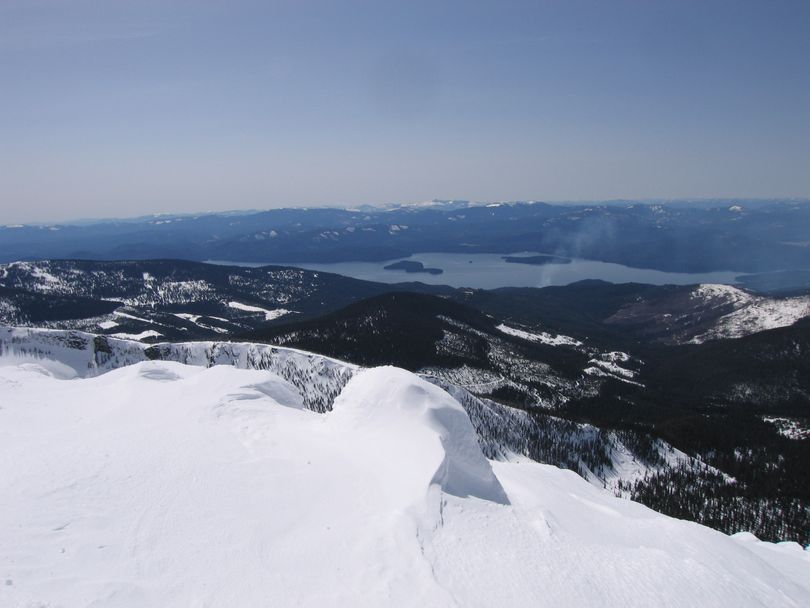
(744, 236)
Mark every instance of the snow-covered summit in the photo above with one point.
(388, 397)
(164, 484)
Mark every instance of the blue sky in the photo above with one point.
(114, 108)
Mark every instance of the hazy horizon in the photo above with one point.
(134, 108)
(70, 220)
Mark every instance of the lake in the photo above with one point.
(490, 271)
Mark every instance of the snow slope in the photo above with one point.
(700, 313)
(163, 484)
(543, 337)
(269, 315)
(749, 313)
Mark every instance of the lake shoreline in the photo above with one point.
(491, 271)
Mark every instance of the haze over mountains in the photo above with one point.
(743, 236)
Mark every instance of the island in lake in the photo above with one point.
(537, 260)
(409, 266)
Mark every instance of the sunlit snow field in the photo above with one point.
(162, 484)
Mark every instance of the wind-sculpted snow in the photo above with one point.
(319, 379)
(502, 431)
(621, 461)
(609, 459)
(163, 484)
(387, 396)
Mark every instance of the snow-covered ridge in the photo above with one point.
(696, 314)
(163, 484)
(601, 457)
(318, 378)
(722, 294)
(750, 313)
(503, 432)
